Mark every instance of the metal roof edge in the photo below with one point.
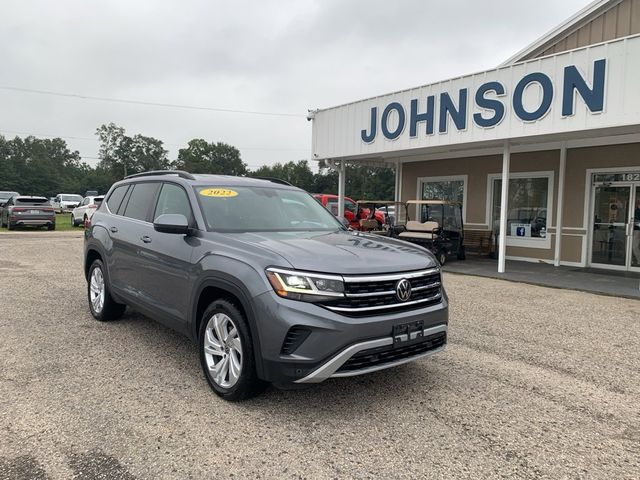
(565, 28)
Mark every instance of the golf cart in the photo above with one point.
(378, 210)
(438, 227)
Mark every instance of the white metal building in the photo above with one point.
(544, 150)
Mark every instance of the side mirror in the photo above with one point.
(171, 223)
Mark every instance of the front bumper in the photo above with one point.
(332, 367)
(334, 338)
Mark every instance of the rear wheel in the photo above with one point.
(442, 257)
(11, 225)
(51, 227)
(461, 253)
(102, 305)
(226, 352)
(73, 221)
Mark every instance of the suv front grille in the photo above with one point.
(376, 294)
(388, 354)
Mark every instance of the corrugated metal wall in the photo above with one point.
(619, 21)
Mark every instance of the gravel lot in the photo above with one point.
(535, 383)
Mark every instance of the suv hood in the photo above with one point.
(343, 252)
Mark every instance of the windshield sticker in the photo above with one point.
(218, 192)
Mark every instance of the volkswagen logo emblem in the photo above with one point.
(403, 290)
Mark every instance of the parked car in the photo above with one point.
(268, 284)
(20, 211)
(65, 202)
(352, 213)
(83, 212)
(4, 198)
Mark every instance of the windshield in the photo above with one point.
(71, 198)
(260, 209)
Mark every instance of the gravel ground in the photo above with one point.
(535, 383)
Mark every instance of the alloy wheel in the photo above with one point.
(223, 350)
(97, 290)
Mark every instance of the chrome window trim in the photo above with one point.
(329, 368)
(383, 307)
(389, 277)
(391, 292)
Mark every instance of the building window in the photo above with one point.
(452, 189)
(529, 204)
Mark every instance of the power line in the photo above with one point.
(180, 145)
(148, 104)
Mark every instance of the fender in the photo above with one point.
(93, 245)
(236, 288)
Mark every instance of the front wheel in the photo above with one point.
(102, 305)
(226, 352)
(442, 257)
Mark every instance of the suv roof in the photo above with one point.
(208, 179)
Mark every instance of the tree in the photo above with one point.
(296, 173)
(122, 155)
(201, 156)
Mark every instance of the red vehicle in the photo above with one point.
(352, 212)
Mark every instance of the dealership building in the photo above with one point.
(542, 151)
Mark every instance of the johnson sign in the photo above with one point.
(425, 116)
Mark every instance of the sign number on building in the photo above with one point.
(631, 177)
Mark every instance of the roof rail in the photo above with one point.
(275, 180)
(180, 173)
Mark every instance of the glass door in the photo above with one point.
(634, 231)
(611, 227)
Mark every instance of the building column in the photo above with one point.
(341, 185)
(504, 207)
(560, 206)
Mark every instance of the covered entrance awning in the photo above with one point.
(585, 97)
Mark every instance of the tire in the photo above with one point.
(11, 226)
(461, 253)
(73, 221)
(51, 227)
(109, 310)
(442, 257)
(84, 221)
(224, 317)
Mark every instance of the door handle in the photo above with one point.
(114, 229)
(146, 239)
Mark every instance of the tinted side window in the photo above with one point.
(140, 200)
(115, 199)
(173, 199)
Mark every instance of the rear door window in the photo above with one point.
(140, 201)
(115, 199)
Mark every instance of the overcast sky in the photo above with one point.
(282, 56)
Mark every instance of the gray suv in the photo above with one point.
(265, 280)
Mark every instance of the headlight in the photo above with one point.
(310, 287)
